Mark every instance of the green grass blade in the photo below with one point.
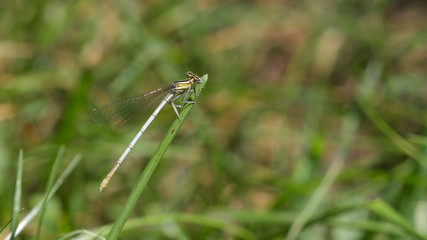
(151, 166)
(225, 225)
(31, 215)
(348, 133)
(392, 134)
(82, 232)
(5, 225)
(417, 139)
(373, 72)
(49, 186)
(368, 226)
(388, 213)
(18, 192)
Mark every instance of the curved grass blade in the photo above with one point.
(18, 191)
(5, 225)
(387, 212)
(203, 220)
(32, 214)
(49, 185)
(348, 133)
(86, 233)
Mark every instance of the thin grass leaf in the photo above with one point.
(335, 211)
(348, 133)
(417, 139)
(84, 232)
(18, 192)
(181, 234)
(227, 226)
(392, 134)
(151, 166)
(285, 218)
(372, 74)
(369, 226)
(420, 217)
(8, 222)
(49, 186)
(258, 218)
(224, 225)
(388, 213)
(5, 225)
(175, 231)
(31, 215)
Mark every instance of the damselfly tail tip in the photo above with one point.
(103, 184)
(102, 187)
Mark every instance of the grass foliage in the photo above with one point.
(312, 126)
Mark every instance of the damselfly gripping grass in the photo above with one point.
(132, 110)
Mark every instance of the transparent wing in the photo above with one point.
(125, 113)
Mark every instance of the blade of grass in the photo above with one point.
(151, 166)
(387, 212)
(372, 74)
(389, 132)
(31, 215)
(5, 225)
(285, 218)
(49, 188)
(221, 224)
(417, 139)
(18, 192)
(369, 227)
(229, 227)
(83, 232)
(349, 129)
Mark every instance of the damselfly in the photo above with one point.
(132, 110)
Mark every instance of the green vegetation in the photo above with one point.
(313, 124)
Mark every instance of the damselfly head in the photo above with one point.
(194, 77)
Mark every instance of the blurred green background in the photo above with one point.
(312, 124)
